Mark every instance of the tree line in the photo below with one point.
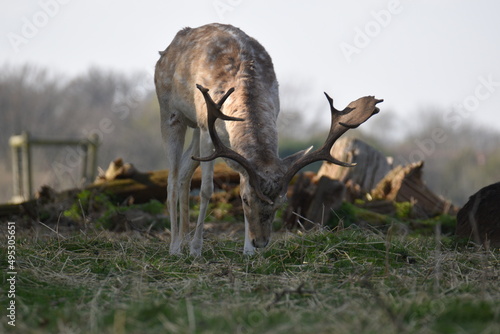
(122, 110)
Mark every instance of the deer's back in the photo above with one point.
(218, 57)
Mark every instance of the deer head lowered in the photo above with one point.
(241, 72)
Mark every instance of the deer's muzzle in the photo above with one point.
(260, 242)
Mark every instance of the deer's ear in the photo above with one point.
(291, 159)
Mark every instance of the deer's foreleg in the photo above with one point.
(188, 166)
(206, 190)
(173, 132)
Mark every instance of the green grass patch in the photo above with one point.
(342, 281)
(354, 214)
(104, 212)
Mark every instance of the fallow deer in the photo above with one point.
(240, 75)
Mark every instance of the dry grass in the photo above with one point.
(344, 281)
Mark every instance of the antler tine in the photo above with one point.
(224, 98)
(356, 113)
(216, 111)
(222, 151)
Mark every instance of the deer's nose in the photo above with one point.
(260, 242)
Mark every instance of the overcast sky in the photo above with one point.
(417, 55)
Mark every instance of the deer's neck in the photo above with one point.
(256, 137)
(230, 58)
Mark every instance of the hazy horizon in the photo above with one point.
(417, 56)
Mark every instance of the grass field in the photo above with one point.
(344, 281)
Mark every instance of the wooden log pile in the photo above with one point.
(127, 184)
(313, 198)
(373, 180)
(405, 184)
(124, 181)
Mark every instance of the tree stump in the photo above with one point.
(299, 200)
(371, 166)
(311, 204)
(328, 196)
(479, 219)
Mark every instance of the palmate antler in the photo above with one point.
(356, 113)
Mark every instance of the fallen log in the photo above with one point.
(405, 184)
(124, 181)
(45, 197)
(11, 209)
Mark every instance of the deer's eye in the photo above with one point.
(245, 200)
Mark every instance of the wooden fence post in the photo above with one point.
(93, 144)
(26, 166)
(16, 169)
(22, 173)
(21, 166)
